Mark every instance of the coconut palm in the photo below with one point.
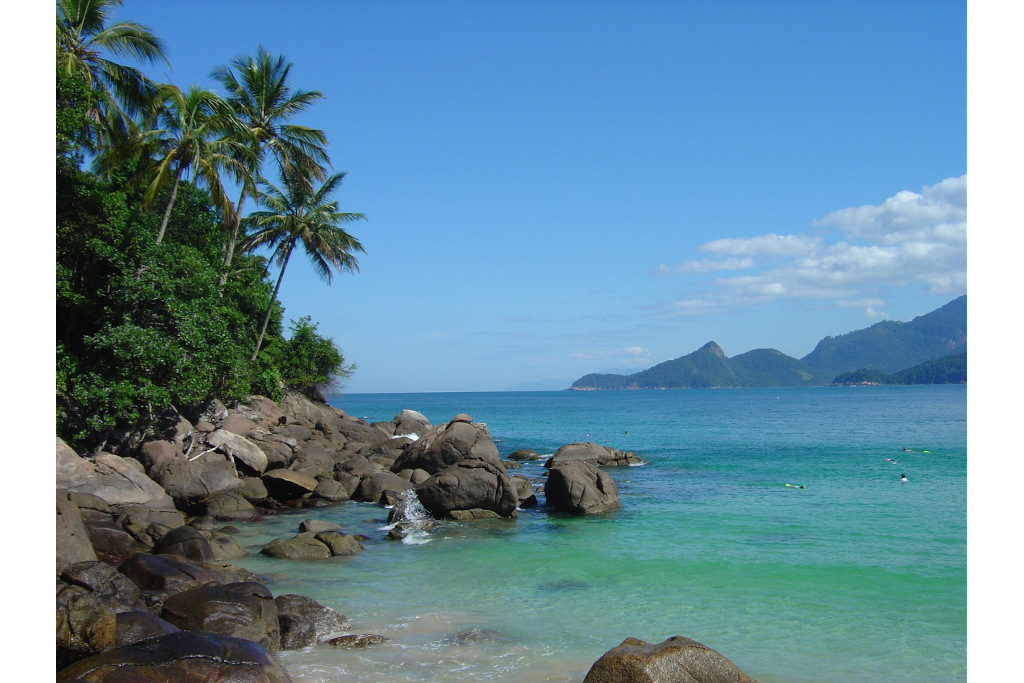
(84, 33)
(261, 96)
(301, 216)
(196, 131)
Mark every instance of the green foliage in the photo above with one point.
(947, 370)
(307, 360)
(144, 324)
(74, 102)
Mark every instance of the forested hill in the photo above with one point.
(949, 370)
(709, 367)
(887, 347)
(891, 346)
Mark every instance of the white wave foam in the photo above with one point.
(414, 437)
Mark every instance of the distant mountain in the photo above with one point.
(885, 348)
(890, 346)
(709, 367)
(541, 385)
(949, 370)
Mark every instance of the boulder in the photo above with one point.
(356, 640)
(602, 456)
(148, 525)
(155, 453)
(325, 621)
(116, 480)
(178, 657)
(104, 582)
(373, 485)
(302, 547)
(230, 506)
(340, 544)
(316, 526)
(225, 547)
(160, 576)
(190, 481)
(524, 491)
(446, 445)
(73, 544)
(135, 626)
(187, 542)
(86, 624)
(524, 454)
(238, 447)
(239, 424)
(578, 486)
(253, 490)
(113, 544)
(470, 484)
(242, 610)
(297, 632)
(676, 660)
(331, 490)
(411, 422)
(285, 485)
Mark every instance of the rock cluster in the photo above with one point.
(143, 591)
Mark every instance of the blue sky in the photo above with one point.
(557, 188)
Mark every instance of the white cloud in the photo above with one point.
(934, 213)
(765, 245)
(706, 266)
(911, 238)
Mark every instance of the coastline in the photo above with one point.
(112, 529)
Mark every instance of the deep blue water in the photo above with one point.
(857, 577)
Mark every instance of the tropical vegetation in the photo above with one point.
(164, 291)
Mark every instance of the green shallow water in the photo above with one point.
(858, 577)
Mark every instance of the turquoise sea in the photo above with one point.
(857, 577)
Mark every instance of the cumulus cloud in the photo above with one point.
(911, 238)
(706, 266)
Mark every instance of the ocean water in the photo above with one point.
(857, 577)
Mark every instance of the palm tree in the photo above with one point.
(302, 216)
(195, 131)
(259, 92)
(84, 32)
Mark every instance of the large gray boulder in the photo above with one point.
(578, 486)
(242, 610)
(191, 481)
(239, 448)
(470, 484)
(411, 422)
(373, 485)
(602, 456)
(118, 481)
(285, 485)
(73, 544)
(177, 657)
(676, 660)
(304, 622)
(447, 444)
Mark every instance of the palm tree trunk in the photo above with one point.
(270, 305)
(167, 213)
(229, 248)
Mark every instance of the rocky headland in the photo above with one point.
(145, 590)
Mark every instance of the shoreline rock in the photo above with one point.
(142, 589)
